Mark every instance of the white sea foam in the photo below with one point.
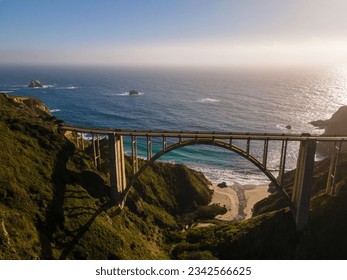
(283, 127)
(126, 93)
(43, 87)
(208, 100)
(217, 175)
(54, 110)
(69, 87)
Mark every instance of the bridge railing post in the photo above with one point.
(303, 182)
(117, 165)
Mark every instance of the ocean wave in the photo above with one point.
(218, 175)
(69, 87)
(208, 100)
(89, 137)
(54, 110)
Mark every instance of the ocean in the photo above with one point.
(214, 99)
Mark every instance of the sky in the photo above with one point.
(175, 32)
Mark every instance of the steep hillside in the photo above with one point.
(55, 205)
(271, 233)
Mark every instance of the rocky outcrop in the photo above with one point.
(35, 84)
(133, 92)
(222, 185)
(336, 125)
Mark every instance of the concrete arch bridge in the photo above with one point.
(298, 201)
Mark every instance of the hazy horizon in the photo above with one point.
(209, 33)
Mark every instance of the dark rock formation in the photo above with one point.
(336, 125)
(133, 92)
(320, 124)
(222, 185)
(35, 84)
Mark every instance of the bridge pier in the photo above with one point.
(117, 166)
(303, 183)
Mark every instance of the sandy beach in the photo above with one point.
(238, 200)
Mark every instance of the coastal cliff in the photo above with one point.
(54, 204)
(336, 125)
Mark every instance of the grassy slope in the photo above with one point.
(54, 204)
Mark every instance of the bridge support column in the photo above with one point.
(149, 148)
(79, 139)
(303, 182)
(283, 162)
(96, 151)
(134, 155)
(335, 156)
(117, 165)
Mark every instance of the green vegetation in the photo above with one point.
(54, 204)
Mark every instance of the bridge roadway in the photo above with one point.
(298, 201)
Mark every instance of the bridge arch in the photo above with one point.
(211, 142)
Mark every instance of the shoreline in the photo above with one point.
(238, 200)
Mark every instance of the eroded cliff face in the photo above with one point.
(336, 125)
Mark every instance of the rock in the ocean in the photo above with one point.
(35, 84)
(222, 185)
(133, 92)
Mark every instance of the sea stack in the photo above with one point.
(35, 84)
(133, 92)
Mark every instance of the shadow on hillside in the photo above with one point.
(89, 180)
(55, 217)
(83, 229)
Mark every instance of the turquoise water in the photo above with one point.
(232, 100)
